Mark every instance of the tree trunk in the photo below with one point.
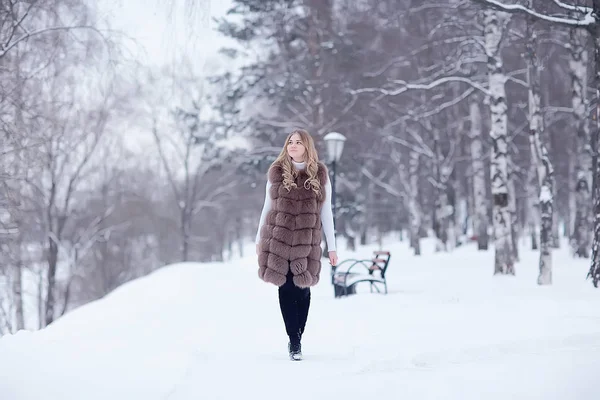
(320, 24)
(540, 158)
(533, 217)
(546, 208)
(480, 223)
(594, 272)
(51, 281)
(40, 298)
(546, 184)
(494, 27)
(571, 205)
(545, 174)
(440, 211)
(239, 236)
(18, 291)
(582, 223)
(514, 221)
(555, 225)
(364, 239)
(185, 235)
(413, 203)
(18, 271)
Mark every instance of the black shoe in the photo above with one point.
(295, 351)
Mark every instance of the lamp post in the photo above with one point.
(335, 146)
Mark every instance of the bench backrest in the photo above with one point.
(381, 261)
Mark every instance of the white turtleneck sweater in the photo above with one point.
(326, 213)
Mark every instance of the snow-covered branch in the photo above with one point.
(431, 111)
(420, 150)
(406, 58)
(337, 118)
(571, 7)
(405, 86)
(428, 6)
(297, 112)
(278, 124)
(587, 20)
(518, 81)
(388, 188)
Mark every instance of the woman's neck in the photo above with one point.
(299, 165)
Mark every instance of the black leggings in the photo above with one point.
(294, 303)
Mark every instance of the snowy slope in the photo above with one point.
(447, 330)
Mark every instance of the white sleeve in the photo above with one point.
(327, 218)
(265, 210)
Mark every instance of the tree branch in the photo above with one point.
(335, 120)
(421, 150)
(518, 81)
(405, 86)
(163, 157)
(28, 35)
(388, 188)
(570, 7)
(587, 20)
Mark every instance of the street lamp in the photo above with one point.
(335, 145)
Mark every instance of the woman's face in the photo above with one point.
(295, 148)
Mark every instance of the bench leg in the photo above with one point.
(340, 291)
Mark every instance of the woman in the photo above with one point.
(297, 209)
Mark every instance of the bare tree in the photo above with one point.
(189, 152)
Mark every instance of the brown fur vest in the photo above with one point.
(291, 235)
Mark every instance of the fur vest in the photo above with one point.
(291, 235)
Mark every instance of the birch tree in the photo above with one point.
(480, 216)
(588, 18)
(539, 156)
(494, 26)
(582, 222)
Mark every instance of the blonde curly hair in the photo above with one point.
(311, 157)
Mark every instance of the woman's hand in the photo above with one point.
(257, 249)
(333, 258)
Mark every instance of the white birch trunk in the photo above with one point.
(546, 184)
(541, 160)
(494, 26)
(480, 224)
(582, 222)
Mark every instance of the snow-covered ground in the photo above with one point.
(448, 329)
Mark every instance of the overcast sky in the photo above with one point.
(163, 36)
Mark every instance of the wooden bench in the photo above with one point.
(347, 274)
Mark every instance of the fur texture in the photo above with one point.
(290, 239)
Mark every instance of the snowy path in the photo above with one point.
(447, 330)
